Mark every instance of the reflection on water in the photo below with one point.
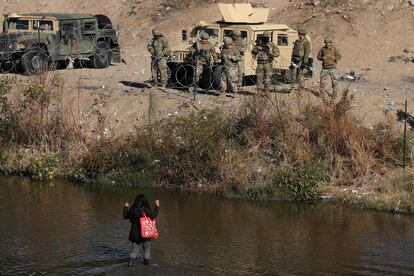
(63, 228)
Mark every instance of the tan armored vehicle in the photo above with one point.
(252, 23)
(31, 42)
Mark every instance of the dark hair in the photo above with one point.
(141, 202)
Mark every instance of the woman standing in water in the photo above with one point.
(134, 213)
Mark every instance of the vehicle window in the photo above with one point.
(89, 26)
(45, 25)
(228, 33)
(282, 40)
(260, 36)
(19, 24)
(213, 33)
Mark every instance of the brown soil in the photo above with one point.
(367, 33)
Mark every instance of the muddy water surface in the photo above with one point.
(64, 228)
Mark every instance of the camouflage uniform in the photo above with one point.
(203, 55)
(241, 46)
(230, 57)
(160, 51)
(300, 56)
(265, 54)
(329, 55)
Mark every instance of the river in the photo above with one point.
(64, 228)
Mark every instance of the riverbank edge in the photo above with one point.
(365, 197)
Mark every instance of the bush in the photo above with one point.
(43, 168)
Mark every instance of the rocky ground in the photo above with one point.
(368, 33)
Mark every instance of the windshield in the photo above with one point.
(213, 33)
(229, 33)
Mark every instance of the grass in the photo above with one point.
(268, 150)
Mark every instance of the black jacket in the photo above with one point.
(133, 214)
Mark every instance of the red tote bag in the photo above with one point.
(148, 227)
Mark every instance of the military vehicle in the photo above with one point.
(32, 42)
(252, 23)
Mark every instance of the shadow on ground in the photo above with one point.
(135, 84)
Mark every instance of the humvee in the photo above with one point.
(252, 22)
(31, 42)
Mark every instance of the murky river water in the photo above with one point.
(63, 228)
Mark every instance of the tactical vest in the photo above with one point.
(158, 45)
(239, 44)
(298, 49)
(263, 57)
(230, 57)
(329, 57)
(203, 53)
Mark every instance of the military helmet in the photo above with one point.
(302, 30)
(204, 35)
(156, 32)
(267, 34)
(228, 41)
(328, 39)
(236, 33)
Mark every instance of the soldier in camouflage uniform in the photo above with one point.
(300, 56)
(203, 55)
(241, 46)
(160, 51)
(329, 55)
(230, 57)
(265, 52)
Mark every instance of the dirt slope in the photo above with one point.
(367, 32)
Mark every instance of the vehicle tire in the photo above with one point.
(61, 64)
(8, 66)
(81, 63)
(102, 55)
(35, 61)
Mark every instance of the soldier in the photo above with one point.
(241, 46)
(203, 55)
(265, 52)
(160, 51)
(300, 55)
(329, 55)
(230, 57)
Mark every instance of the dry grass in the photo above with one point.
(268, 149)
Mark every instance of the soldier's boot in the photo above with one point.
(163, 86)
(146, 261)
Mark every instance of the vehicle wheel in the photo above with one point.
(81, 63)
(35, 61)
(62, 64)
(8, 66)
(102, 56)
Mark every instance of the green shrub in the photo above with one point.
(300, 183)
(43, 168)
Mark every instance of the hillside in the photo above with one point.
(367, 33)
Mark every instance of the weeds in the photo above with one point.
(266, 150)
(43, 168)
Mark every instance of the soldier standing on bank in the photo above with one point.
(160, 51)
(204, 55)
(329, 55)
(300, 56)
(230, 57)
(241, 46)
(265, 51)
